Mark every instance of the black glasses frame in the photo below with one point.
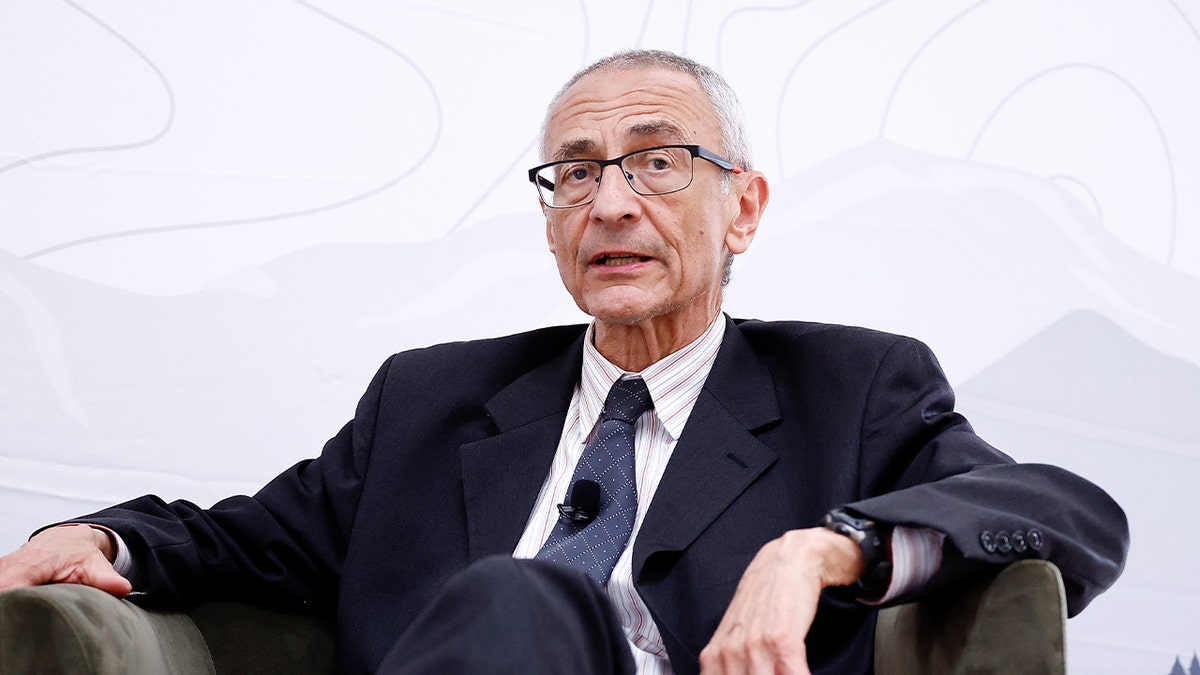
(695, 151)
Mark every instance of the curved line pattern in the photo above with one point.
(108, 236)
(645, 22)
(687, 26)
(170, 121)
(720, 60)
(1196, 34)
(587, 31)
(744, 10)
(1162, 136)
(887, 108)
(504, 173)
(1087, 189)
(796, 66)
(1186, 20)
(583, 60)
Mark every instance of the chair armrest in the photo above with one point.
(68, 628)
(248, 639)
(1014, 622)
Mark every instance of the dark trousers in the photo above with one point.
(503, 615)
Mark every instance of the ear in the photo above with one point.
(549, 230)
(752, 200)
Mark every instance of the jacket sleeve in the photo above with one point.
(924, 466)
(285, 545)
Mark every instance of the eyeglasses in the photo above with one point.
(653, 171)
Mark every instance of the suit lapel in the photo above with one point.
(717, 456)
(502, 474)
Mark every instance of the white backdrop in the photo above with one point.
(217, 218)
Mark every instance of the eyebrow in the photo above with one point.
(576, 148)
(657, 128)
(584, 147)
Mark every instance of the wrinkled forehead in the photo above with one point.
(611, 112)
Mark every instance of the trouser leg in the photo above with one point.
(503, 615)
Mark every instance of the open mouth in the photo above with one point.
(619, 259)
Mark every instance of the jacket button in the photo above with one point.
(987, 541)
(1035, 539)
(1003, 542)
(1018, 542)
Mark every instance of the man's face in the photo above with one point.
(627, 258)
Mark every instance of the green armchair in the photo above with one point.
(1014, 623)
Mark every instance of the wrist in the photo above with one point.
(871, 538)
(841, 556)
(105, 542)
(102, 537)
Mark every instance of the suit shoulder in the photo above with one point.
(540, 337)
(502, 357)
(834, 349)
(790, 335)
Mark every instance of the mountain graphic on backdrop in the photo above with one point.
(1084, 367)
(1193, 669)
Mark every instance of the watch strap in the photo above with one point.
(872, 540)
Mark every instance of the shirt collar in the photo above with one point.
(674, 381)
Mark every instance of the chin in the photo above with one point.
(624, 314)
(621, 305)
(625, 317)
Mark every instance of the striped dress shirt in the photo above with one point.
(674, 383)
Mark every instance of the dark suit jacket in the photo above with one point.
(450, 444)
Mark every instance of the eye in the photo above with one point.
(576, 173)
(655, 161)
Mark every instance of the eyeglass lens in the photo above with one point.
(649, 172)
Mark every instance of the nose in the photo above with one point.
(615, 199)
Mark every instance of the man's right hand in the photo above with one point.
(70, 554)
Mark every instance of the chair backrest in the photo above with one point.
(1012, 623)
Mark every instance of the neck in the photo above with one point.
(634, 347)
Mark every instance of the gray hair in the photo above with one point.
(725, 103)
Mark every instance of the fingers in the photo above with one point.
(16, 573)
(72, 554)
(754, 650)
(97, 572)
(765, 625)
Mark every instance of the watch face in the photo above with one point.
(855, 534)
(844, 524)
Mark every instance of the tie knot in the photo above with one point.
(626, 401)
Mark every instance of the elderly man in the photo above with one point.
(664, 490)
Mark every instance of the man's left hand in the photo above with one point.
(764, 628)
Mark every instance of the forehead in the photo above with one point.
(612, 112)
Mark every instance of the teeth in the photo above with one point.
(613, 261)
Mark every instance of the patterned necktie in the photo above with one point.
(608, 460)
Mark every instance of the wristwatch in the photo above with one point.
(873, 542)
